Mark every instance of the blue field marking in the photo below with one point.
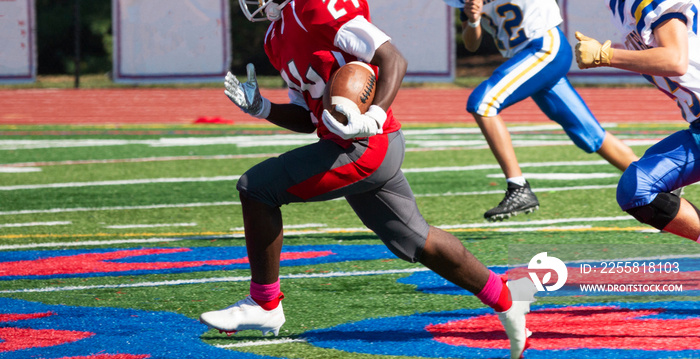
(688, 277)
(107, 331)
(118, 262)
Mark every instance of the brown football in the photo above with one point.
(353, 86)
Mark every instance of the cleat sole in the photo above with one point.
(500, 217)
(275, 331)
(228, 332)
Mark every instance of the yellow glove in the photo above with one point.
(591, 53)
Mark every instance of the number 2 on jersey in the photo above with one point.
(513, 16)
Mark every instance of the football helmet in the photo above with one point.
(261, 10)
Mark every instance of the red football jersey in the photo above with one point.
(301, 46)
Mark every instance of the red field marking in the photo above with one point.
(12, 339)
(578, 328)
(184, 106)
(13, 317)
(102, 262)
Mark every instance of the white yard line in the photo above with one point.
(91, 243)
(209, 204)
(561, 176)
(34, 224)
(501, 191)
(210, 280)
(495, 166)
(477, 131)
(240, 141)
(121, 182)
(14, 169)
(260, 343)
(292, 226)
(133, 160)
(539, 222)
(236, 177)
(117, 208)
(21, 167)
(529, 226)
(542, 229)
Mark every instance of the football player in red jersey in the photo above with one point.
(307, 41)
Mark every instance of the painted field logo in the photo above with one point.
(631, 331)
(543, 262)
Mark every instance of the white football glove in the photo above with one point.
(359, 125)
(247, 95)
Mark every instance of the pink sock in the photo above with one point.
(267, 296)
(495, 293)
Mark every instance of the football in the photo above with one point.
(353, 86)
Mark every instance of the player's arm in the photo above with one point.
(669, 58)
(292, 117)
(471, 24)
(392, 69)
(365, 41)
(246, 95)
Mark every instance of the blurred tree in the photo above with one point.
(55, 31)
(247, 40)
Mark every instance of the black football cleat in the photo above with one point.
(518, 199)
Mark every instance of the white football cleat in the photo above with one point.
(246, 314)
(513, 319)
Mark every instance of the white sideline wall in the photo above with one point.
(189, 40)
(17, 41)
(170, 41)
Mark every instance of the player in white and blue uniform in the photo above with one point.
(539, 57)
(661, 42)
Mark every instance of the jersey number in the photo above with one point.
(314, 83)
(694, 104)
(513, 16)
(337, 14)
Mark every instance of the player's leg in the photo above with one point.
(562, 104)
(445, 255)
(498, 138)
(529, 71)
(687, 221)
(262, 309)
(392, 213)
(292, 177)
(264, 237)
(616, 153)
(644, 190)
(519, 198)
